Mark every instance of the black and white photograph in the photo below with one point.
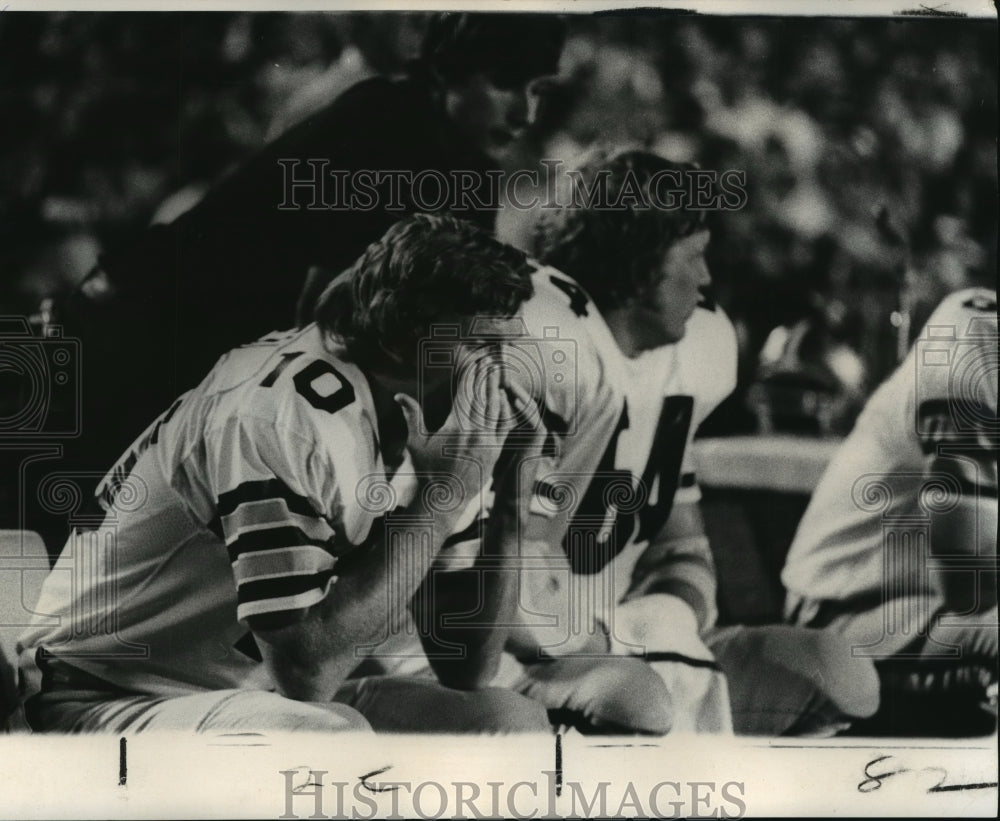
(508, 410)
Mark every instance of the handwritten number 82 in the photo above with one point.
(873, 780)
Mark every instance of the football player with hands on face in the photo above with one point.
(556, 370)
(487, 587)
(274, 523)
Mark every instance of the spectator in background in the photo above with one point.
(154, 315)
(809, 380)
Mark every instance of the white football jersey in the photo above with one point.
(569, 361)
(867, 528)
(645, 467)
(237, 502)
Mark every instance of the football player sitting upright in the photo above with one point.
(639, 251)
(249, 551)
(897, 549)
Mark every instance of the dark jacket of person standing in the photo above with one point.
(156, 313)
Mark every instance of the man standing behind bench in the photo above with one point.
(157, 311)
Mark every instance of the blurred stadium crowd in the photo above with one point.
(117, 120)
(866, 151)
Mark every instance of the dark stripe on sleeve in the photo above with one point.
(272, 538)
(281, 587)
(263, 491)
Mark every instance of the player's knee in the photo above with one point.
(272, 712)
(825, 658)
(850, 682)
(340, 718)
(504, 711)
(626, 695)
(794, 680)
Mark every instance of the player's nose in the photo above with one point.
(703, 277)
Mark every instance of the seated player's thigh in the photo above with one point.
(209, 712)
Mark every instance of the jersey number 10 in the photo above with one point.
(306, 378)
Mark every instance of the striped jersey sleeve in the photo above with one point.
(278, 529)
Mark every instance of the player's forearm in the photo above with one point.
(309, 660)
(465, 652)
(376, 584)
(678, 562)
(488, 589)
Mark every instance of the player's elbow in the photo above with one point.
(304, 659)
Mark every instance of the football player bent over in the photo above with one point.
(262, 534)
(565, 358)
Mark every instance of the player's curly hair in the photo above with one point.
(510, 49)
(424, 270)
(613, 231)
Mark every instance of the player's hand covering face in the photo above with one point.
(523, 445)
(468, 443)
